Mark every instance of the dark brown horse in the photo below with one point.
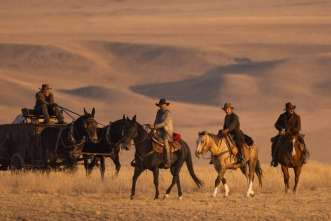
(289, 155)
(63, 147)
(147, 158)
(108, 146)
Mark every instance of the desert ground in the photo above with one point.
(121, 57)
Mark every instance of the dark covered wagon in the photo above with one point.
(20, 145)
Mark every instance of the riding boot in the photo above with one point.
(274, 161)
(167, 148)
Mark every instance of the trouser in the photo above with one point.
(167, 148)
(239, 145)
(47, 109)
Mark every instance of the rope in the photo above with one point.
(67, 110)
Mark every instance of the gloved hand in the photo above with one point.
(150, 126)
(282, 132)
(225, 131)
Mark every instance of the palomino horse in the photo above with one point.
(289, 156)
(146, 158)
(223, 160)
(63, 147)
(110, 144)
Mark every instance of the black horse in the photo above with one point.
(109, 145)
(146, 158)
(63, 147)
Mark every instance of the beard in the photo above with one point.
(46, 93)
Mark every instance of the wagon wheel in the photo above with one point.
(17, 162)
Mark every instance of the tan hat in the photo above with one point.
(45, 87)
(227, 105)
(289, 106)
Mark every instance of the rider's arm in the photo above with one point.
(234, 123)
(41, 98)
(297, 127)
(278, 124)
(165, 122)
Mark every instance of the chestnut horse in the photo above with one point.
(289, 157)
(223, 160)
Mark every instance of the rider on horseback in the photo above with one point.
(232, 126)
(163, 125)
(287, 122)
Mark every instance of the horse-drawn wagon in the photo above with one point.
(20, 145)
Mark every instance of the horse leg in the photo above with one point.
(250, 179)
(226, 188)
(218, 181)
(297, 171)
(102, 166)
(86, 163)
(166, 195)
(117, 163)
(156, 182)
(92, 164)
(286, 178)
(137, 172)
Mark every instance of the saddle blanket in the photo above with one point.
(159, 146)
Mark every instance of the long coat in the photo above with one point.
(289, 122)
(163, 123)
(231, 122)
(41, 98)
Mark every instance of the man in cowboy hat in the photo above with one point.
(163, 124)
(287, 122)
(45, 104)
(232, 126)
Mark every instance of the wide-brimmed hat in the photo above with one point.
(45, 87)
(162, 101)
(227, 105)
(289, 106)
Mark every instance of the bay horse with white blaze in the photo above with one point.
(147, 158)
(223, 160)
(289, 155)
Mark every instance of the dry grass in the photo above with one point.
(63, 196)
(314, 176)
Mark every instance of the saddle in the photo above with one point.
(158, 145)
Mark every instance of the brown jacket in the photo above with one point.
(289, 122)
(41, 98)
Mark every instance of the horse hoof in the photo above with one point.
(156, 198)
(252, 194)
(180, 198)
(166, 196)
(213, 196)
(132, 197)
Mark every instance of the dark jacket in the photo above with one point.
(231, 122)
(289, 122)
(41, 98)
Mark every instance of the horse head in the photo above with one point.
(90, 125)
(202, 142)
(129, 131)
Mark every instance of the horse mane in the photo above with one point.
(215, 137)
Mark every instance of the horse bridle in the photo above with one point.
(135, 131)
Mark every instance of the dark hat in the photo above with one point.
(289, 106)
(45, 87)
(162, 101)
(227, 105)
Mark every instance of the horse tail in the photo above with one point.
(189, 165)
(259, 172)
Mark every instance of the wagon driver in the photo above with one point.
(45, 105)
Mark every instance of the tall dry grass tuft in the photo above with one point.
(314, 175)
